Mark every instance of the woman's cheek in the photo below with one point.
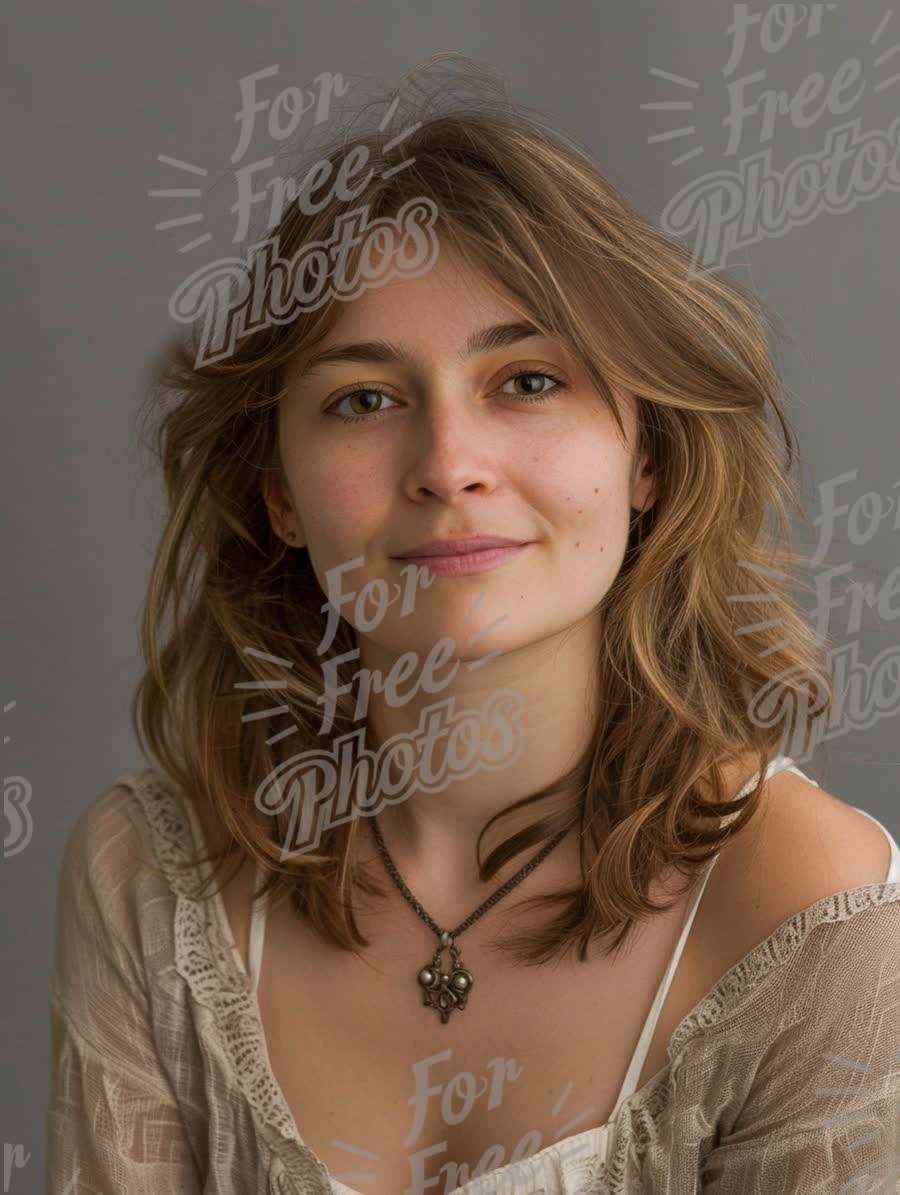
(340, 504)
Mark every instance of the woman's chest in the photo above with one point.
(389, 1097)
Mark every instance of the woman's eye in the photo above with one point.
(531, 375)
(366, 407)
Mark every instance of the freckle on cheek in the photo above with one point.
(596, 491)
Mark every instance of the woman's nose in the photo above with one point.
(451, 450)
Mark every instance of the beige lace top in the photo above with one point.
(784, 1078)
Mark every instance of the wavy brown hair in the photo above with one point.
(689, 639)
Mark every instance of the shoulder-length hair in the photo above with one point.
(705, 654)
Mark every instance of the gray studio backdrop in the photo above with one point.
(693, 110)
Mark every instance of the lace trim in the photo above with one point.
(206, 962)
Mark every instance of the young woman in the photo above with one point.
(484, 537)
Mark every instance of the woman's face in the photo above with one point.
(468, 435)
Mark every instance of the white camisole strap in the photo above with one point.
(257, 931)
(639, 1057)
(893, 876)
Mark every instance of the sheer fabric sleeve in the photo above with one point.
(821, 1112)
(113, 1123)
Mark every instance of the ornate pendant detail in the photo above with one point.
(442, 991)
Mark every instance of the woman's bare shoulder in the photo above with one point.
(803, 844)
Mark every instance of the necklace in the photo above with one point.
(446, 991)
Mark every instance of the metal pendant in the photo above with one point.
(445, 991)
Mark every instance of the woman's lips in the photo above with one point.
(460, 565)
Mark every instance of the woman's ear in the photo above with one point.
(643, 485)
(283, 519)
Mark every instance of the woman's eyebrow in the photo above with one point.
(386, 352)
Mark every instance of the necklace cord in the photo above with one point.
(483, 908)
